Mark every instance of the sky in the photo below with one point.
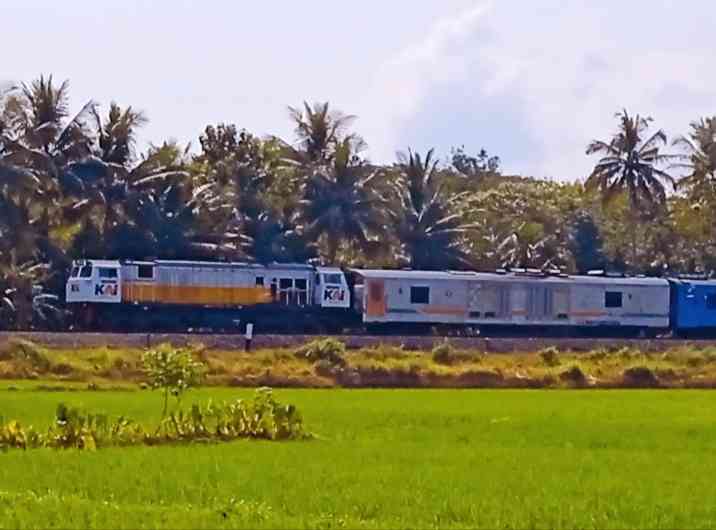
(530, 81)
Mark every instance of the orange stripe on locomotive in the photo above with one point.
(143, 292)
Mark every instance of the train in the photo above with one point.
(195, 296)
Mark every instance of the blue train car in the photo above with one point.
(693, 306)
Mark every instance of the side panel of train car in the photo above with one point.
(693, 306)
(184, 294)
(484, 299)
(206, 284)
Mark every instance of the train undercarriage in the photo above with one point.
(280, 319)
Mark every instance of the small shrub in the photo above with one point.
(172, 370)
(385, 351)
(574, 375)
(550, 356)
(22, 349)
(326, 368)
(443, 353)
(696, 360)
(12, 435)
(62, 369)
(329, 349)
(640, 376)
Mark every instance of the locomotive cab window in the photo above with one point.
(107, 273)
(332, 279)
(711, 301)
(75, 272)
(145, 272)
(420, 295)
(612, 299)
(86, 271)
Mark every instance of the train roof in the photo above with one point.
(697, 282)
(507, 277)
(221, 264)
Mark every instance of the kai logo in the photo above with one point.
(105, 289)
(334, 294)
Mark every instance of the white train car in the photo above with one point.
(474, 299)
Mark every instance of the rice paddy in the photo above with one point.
(383, 459)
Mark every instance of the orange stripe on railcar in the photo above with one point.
(444, 310)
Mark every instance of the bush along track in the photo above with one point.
(262, 417)
(328, 362)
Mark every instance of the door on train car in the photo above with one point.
(547, 303)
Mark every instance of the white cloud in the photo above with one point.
(535, 83)
(403, 82)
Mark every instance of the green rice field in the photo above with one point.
(385, 459)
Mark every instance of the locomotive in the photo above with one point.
(166, 295)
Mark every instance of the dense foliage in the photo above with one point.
(74, 185)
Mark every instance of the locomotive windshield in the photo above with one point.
(332, 279)
(107, 272)
(86, 271)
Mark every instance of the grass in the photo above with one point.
(384, 365)
(386, 458)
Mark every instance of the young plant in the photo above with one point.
(172, 370)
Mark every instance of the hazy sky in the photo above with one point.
(530, 81)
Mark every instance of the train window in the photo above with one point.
(285, 283)
(612, 299)
(259, 281)
(302, 291)
(75, 272)
(333, 279)
(420, 295)
(107, 272)
(86, 271)
(145, 272)
(711, 301)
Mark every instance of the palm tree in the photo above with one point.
(164, 220)
(112, 173)
(630, 164)
(267, 238)
(46, 140)
(22, 295)
(319, 131)
(117, 134)
(429, 225)
(239, 170)
(340, 202)
(700, 157)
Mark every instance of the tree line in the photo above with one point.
(73, 185)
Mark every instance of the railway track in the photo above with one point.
(420, 342)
